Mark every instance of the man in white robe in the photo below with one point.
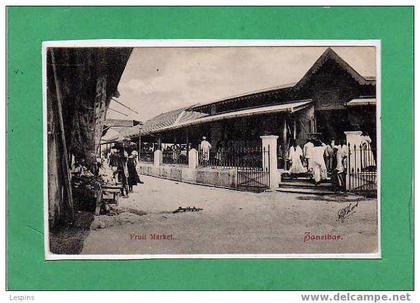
(205, 147)
(307, 153)
(318, 163)
(295, 155)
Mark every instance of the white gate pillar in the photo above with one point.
(157, 158)
(269, 143)
(193, 158)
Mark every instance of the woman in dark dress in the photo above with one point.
(122, 171)
(133, 177)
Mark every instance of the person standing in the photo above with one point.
(123, 171)
(341, 168)
(307, 153)
(205, 147)
(318, 164)
(133, 177)
(176, 152)
(113, 163)
(329, 156)
(220, 154)
(296, 155)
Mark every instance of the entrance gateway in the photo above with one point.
(263, 173)
(254, 172)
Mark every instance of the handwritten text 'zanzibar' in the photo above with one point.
(308, 236)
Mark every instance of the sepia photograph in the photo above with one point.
(210, 148)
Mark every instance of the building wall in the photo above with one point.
(330, 88)
(224, 178)
(87, 78)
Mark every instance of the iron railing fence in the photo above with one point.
(146, 156)
(174, 157)
(252, 164)
(361, 168)
(236, 156)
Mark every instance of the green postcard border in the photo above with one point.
(28, 27)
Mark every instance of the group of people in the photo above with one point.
(124, 168)
(320, 161)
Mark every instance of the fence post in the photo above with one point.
(157, 158)
(193, 158)
(269, 143)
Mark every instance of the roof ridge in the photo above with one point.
(248, 93)
(329, 53)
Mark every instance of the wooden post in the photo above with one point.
(65, 167)
(294, 128)
(139, 147)
(159, 143)
(285, 142)
(187, 139)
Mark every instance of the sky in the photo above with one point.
(158, 80)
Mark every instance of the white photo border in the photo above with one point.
(173, 43)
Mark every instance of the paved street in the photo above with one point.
(232, 222)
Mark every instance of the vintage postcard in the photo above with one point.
(212, 149)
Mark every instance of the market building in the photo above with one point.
(330, 100)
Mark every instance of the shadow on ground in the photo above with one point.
(69, 239)
(339, 198)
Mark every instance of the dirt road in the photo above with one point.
(232, 222)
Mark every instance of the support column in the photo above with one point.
(187, 140)
(269, 143)
(139, 147)
(284, 150)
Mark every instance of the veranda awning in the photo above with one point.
(286, 107)
(362, 102)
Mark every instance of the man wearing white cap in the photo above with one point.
(205, 147)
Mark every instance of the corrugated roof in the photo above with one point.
(161, 121)
(111, 136)
(169, 119)
(130, 132)
(121, 133)
(190, 115)
(285, 107)
(247, 95)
